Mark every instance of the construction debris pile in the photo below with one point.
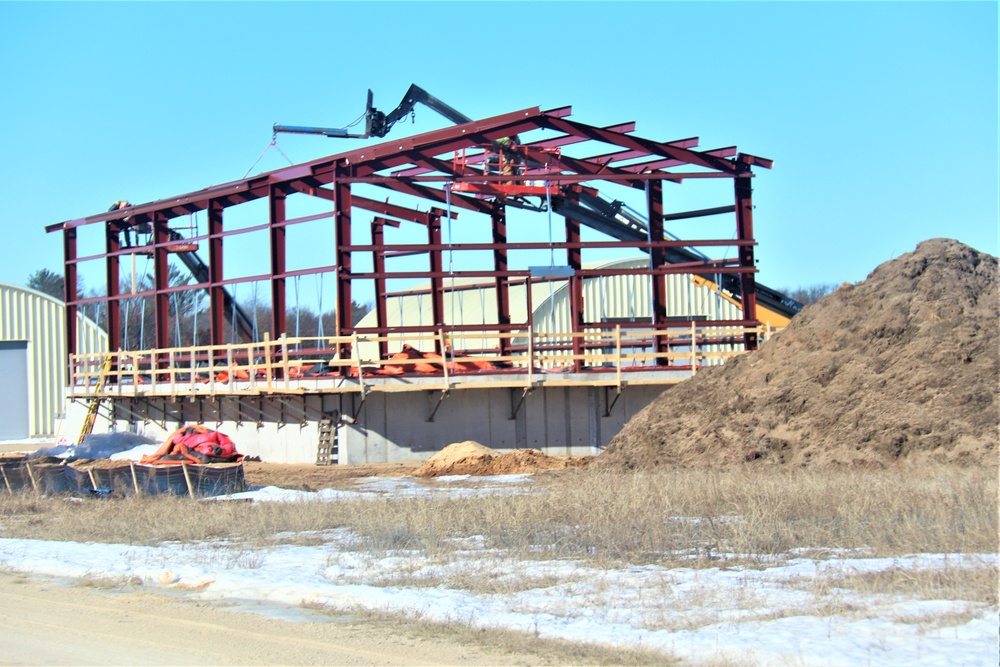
(900, 367)
(472, 458)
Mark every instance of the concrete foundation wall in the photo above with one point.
(392, 426)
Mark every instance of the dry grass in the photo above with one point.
(548, 651)
(600, 517)
(976, 583)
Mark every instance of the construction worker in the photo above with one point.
(511, 158)
(118, 205)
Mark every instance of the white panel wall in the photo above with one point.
(39, 319)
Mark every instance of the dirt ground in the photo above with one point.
(900, 368)
(47, 623)
(308, 477)
(460, 458)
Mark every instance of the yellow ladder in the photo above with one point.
(95, 403)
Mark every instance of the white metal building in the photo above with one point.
(33, 360)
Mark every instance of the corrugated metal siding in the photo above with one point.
(27, 315)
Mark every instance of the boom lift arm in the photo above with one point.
(378, 124)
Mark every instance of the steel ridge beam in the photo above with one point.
(556, 142)
(257, 186)
(444, 137)
(447, 144)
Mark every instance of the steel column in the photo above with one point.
(378, 263)
(436, 260)
(114, 324)
(499, 223)
(744, 232)
(161, 280)
(216, 290)
(574, 257)
(657, 258)
(342, 258)
(276, 199)
(70, 295)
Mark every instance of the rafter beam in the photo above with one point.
(626, 141)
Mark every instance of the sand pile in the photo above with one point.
(902, 366)
(472, 458)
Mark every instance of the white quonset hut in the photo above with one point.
(33, 360)
(612, 298)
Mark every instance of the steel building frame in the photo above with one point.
(421, 166)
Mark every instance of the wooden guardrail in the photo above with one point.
(298, 365)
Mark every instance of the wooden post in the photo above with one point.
(193, 366)
(618, 354)
(284, 358)
(93, 482)
(173, 375)
(531, 353)
(135, 480)
(694, 350)
(31, 475)
(267, 357)
(187, 478)
(6, 481)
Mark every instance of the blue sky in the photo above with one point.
(881, 117)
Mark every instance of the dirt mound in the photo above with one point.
(900, 367)
(472, 458)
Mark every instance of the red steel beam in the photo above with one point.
(276, 206)
(500, 266)
(627, 141)
(664, 163)
(744, 232)
(216, 291)
(70, 295)
(342, 258)
(574, 258)
(113, 307)
(556, 142)
(378, 262)
(161, 282)
(435, 260)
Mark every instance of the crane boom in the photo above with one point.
(378, 124)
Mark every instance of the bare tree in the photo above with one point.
(810, 294)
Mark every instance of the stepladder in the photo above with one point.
(326, 450)
(95, 402)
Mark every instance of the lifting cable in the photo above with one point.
(125, 314)
(649, 237)
(232, 318)
(254, 331)
(319, 320)
(274, 143)
(142, 313)
(552, 262)
(297, 310)
(177, 321)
